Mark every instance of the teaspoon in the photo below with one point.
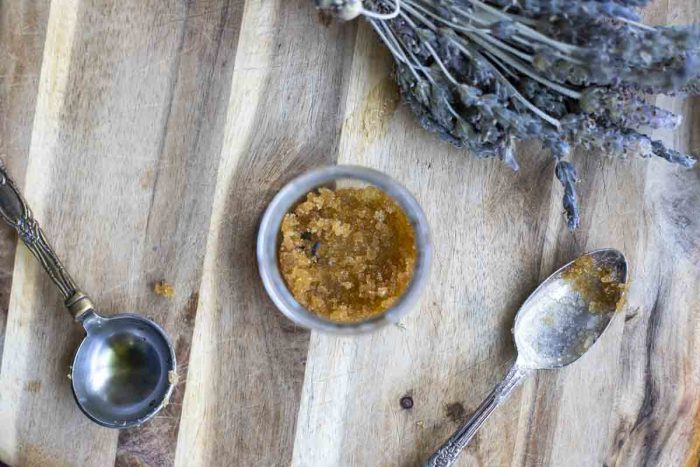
(555, 326)
(124, 370)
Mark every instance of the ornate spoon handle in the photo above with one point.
(16, 213)
(447, 454)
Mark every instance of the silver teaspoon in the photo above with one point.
(124, 370)
(555, 326)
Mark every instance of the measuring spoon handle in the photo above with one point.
(448, 453)
(16, 213)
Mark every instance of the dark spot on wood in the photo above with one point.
(645, 419)
(33, 386)
(191, 308)
(325, 18)
(406, 402)
(456, 413)
(631, 314)
(182, 353)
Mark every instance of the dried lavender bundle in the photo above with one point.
(484, 73)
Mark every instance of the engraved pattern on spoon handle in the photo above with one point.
(448, 453)
(15, 211)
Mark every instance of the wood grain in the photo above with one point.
(247, 361)
(22, 32)
(154, 133)
(182, 188)
(134, 114)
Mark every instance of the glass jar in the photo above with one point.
(336, 177)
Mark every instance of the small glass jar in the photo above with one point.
(335, 177)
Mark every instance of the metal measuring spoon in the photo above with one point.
(555, 326)
(124, 370)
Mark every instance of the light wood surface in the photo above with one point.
(149, 137)
(22, 36)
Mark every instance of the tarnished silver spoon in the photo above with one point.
(555, 326)
(124, 370)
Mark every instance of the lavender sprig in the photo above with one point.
(484, 73)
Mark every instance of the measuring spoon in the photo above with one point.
(555, 326)
(124, 370)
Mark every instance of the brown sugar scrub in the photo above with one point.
(347, 254)
(597, 285)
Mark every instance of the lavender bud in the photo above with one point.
(672, 155)
(566, 173)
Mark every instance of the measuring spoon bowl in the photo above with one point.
(123, 371)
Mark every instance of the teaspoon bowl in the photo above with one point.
(561, 319)
(555, 326)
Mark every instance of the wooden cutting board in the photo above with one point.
(149, 136)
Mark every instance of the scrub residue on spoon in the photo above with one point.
(597, 284)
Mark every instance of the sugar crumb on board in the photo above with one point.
(164, 289)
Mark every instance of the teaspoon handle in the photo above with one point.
(16, 213)
(448, 453)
